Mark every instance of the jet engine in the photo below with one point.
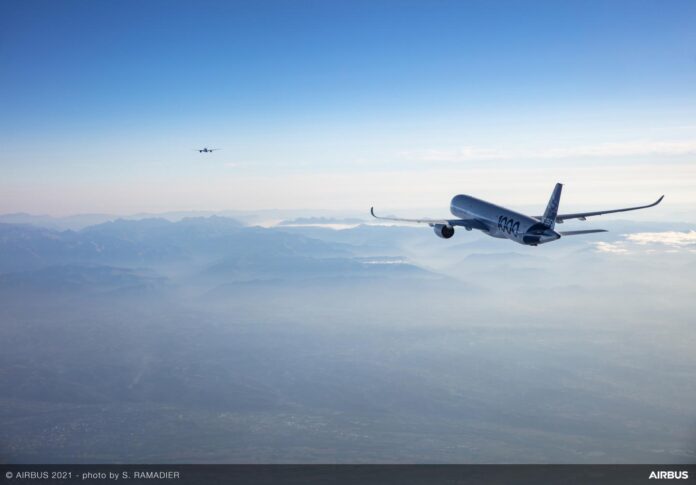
(443, 230)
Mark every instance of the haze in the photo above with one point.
(159, 305)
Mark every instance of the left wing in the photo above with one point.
(468, 223)
(583, 215)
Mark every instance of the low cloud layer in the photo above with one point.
(668, 238)
(666, 241)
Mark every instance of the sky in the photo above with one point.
(344, 105)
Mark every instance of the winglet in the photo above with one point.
(659, 200)
(372, 211)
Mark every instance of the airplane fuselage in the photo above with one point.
(502, 222)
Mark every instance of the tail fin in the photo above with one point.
(549, 217)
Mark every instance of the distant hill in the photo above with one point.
(72, 277)
(150, 242)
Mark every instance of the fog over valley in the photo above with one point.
(211, 340)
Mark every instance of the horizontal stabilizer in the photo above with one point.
(577, 233)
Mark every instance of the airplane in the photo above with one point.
(499, 222)
(206, 150)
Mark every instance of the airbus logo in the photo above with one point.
(669, 475)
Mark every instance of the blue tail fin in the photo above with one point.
(549, 218)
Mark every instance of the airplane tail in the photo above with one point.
(549, 217)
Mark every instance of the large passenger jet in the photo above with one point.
(496, 221)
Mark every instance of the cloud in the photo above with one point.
(666, 241)
(619, 149)
(604, 247)
(668, 238)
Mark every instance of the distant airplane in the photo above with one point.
(207, 150)
(504, 223)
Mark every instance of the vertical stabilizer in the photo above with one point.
(549, 218)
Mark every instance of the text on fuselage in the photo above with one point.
(508, 225)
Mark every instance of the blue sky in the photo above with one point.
(401, 103)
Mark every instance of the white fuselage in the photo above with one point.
(502, 222)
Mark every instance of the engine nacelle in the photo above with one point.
(443, 230)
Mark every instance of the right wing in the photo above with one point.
(583, 215)
(468, 223)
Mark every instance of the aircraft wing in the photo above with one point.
(468, 223)
(583, 215)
